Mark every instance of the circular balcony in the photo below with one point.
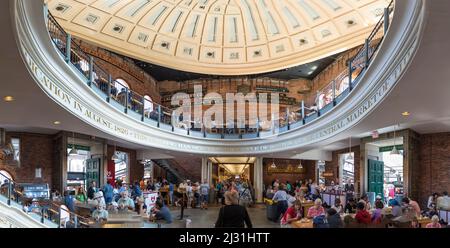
(74, 80)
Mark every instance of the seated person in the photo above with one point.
(316, 210)
(161, 212)
(377, 215)
(396, 208)
(100, 214)
(34, 207)
(434, 222)
(334, 219)
(362, 215)
(338, 206)
(125, 202)
(350, 207)
(292, 214)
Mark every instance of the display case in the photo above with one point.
(36, 190)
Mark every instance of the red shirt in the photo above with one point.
(292, 214)
(363, 216)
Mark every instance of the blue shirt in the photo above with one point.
(108, 191)
(171, 188)
(280, 195)
(164, 214)
(68, 201)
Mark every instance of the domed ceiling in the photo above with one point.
(221, 37)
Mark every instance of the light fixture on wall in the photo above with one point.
(114, 157)
(273, 166)
(394, 150)
(73, 151)
(300, 165)
(350, 156)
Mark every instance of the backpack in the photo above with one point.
(320, 222)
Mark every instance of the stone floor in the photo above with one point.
(207, 218)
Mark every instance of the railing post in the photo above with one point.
(159, 115)
(334, 92)
(350, 72)
(9, 192)
(59, 217)
(386, 20)
(257, 127)
(143, 109)
(75, 221)
(303, 111)
(91, 71)
(204, 130)
(108, 94)
(366, 52)
(68, 47)
(287, 118)
(127, 96)
(42, 215)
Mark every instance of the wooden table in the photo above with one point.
(304, 223)
(423, 222)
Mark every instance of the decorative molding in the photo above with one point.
(66, 88)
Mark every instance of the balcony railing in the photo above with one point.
(134, 105)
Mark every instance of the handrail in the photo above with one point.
(130, 100)
(13, 193)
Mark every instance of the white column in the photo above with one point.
(209, 177)
(204, 169)
(258, 179)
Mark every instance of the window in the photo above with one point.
(121, 166)
(16, 146)
(148, 104)
(4, 175)
(120, 84)
(347, 168)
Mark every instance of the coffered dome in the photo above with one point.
(224, 37)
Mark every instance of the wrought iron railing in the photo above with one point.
(138, 107)
(46, 209)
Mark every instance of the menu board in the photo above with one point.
(32, 190)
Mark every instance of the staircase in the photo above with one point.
(174, 170)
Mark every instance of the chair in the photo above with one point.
(64, 216)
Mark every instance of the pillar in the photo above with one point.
(204, 169)
(258, 179)
(209, 175)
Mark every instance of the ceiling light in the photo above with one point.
(395, 151)
(57, 122)
(114, 157)
(273, 166)
(8, 98)
(300, 166)
(406, 113)
(73, 151)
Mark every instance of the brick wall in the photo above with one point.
(284, 177)
(434, 165)
(36, 151)
(333, 166)
(139, 81)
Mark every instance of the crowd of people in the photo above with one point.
(404, 213)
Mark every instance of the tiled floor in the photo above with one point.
(206, 218)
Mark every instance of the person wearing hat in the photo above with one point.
(100, 213)
(125, 202)
(34, 207)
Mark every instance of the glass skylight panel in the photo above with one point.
(157, 14)
(311, 12)
(232, 29)
(250, 20)
(192, 28)
(174, 21)
(332, 4)
(132, 11)
(212, 29)
(292, 19)
(272, 27)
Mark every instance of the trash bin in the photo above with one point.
(271, 211)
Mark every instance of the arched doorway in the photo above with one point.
(4, 175)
